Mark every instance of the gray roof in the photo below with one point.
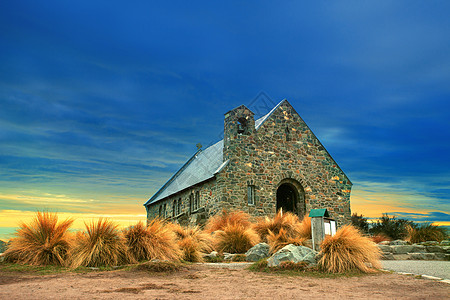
(203, 165)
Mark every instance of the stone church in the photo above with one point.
(259, 167)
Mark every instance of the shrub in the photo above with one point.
(192, 242)
(360, 222)
(392, 227)
(348, 250)
(380, 238)
(290, 265)
(235, 238)
(281, 239)
(42, 242)
(286, 221)
(225, 218)
(156, 241)
(427, 232)
(305, 228)
(101, 245)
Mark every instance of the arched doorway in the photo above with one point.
(291, 197)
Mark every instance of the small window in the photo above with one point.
(251, 194)
(191, 202)
(174, 208)
(197, 200)
(288, 134)
(179, 206)
(165, 210)
(160, 211)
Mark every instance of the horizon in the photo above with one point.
(101, 103)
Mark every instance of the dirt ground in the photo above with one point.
(208, 282)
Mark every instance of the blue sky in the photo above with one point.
(101, 102)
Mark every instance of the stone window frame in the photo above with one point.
(251, 194)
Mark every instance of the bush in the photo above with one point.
(157, 266)
(348, 250)
(101, 245)
(235, 238)
(380, 238)
(427, 232)
(281, 239)
(156, 241)
(42, 242)
(220, 221)
(360, 222)
(392, 227)
(292, 266)
(288, 222)
(192, 242)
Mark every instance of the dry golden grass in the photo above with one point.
(155, 241)
(235, 238)
(286, 221)
(192, 242)
(278, 240)
(380, 238)
(101, 245)
(348, 250)
(426, 232)
(42, 242)
(305, 228)
(225, 218)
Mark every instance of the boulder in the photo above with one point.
(422, 256)
(445, 243)
(387, 256)
(387, 243)
(294, 254)
(402, 256)
(418, 249)
(258, 252)
(213, 254)
(228, 256)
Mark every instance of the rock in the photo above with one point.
(387, 256)
(385, 248)
(258, 252)
(435, 249)
(418, 249)
(398, 242)
(213, 254)
(402, 257)
(445, 243)
(228, 256)
(384, 243)
(429, 243)
(294, 254)
(422, 256)
(402, 249)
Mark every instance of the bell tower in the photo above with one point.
(239, 131)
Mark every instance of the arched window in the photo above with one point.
(242, 126)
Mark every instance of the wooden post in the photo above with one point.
(318, 232)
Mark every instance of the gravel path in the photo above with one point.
(435, 268)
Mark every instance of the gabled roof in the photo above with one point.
(202, 166)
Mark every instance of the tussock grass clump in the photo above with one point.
(235, 238)
(426, 232)
(155, 241)
(42, 242)
(281, 239)
(380, 238)
(101, 245)
(225, 218)
(286, 221)
(305, 228)
(349, 250)
(192, 242)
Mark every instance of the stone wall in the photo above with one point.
(402, 250)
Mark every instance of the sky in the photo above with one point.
(102, 101)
